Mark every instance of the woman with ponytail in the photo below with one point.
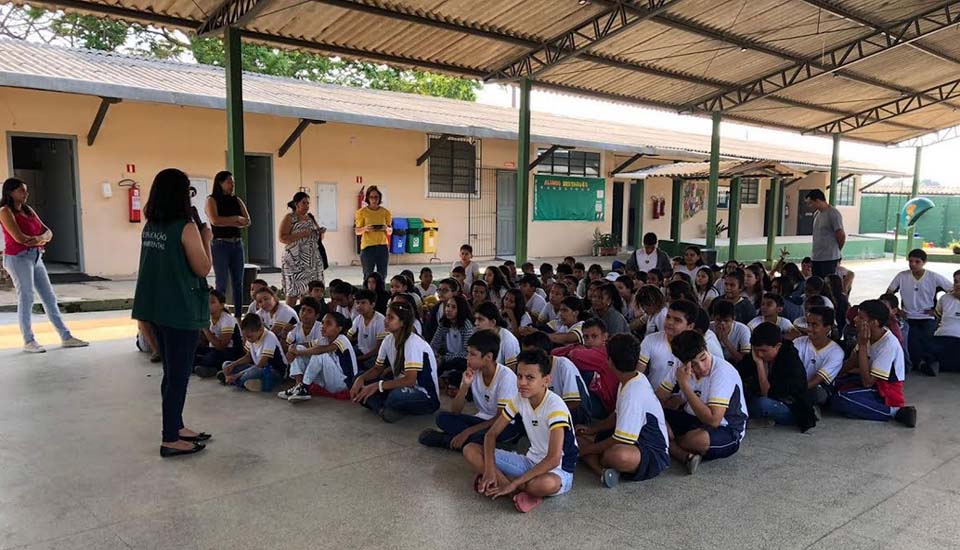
(302, 263)
(404, 379)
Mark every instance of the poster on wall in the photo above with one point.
(568, 198)
(694, 198)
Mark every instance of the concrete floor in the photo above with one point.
(79, 469)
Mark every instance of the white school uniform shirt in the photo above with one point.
(493, 398)
(722, 387)
(429, 291)
(283, 318)
(826, 302)
(708, 296)
(345, 356)
(417, 356)
(646, 262)
(297, 336)
(418, 327)
(825, 362)
(559, 328)
(800, 323)
(886, 358)
(252, 308)
(782, 323)
(948, 308)
(226, 325)
(526, 321)
(713, 343)
(368, 334)
(919, 295)
(551, 414)
(691, 272)
(267, 346)
(657, 357)
(655, 322)
(471, 271)
(549, 314)
(509, 348)
(535, 306)
(640, 416)
(349, 312)
(739, 337)
(565, 379)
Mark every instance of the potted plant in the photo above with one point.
(955, 247)
(604, 244)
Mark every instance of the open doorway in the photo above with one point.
(48, 166)
(260, 206)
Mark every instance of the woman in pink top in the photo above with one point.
(24, 235)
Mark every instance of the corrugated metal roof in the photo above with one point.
(904, 188)
(655, 60)
(34, 66)
(728, 169)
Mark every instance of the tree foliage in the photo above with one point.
(85, 31)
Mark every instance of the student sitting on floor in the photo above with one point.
(317, 291)
(277, 317)
(771, 306)
(947, 337)
(533, 302)
(326, 368)
(147, 341)
(409, 299)
(632, 442)
(487, 317)
(800, 323)
(410, 386)
(451, 340)
(303, 343)
(822, 358)
(367, 329)
(426, 286)
(493, 385)
(733, 293)
(547, 467)
(713, 419)
(650, 300)
(555, 298)
(400, 284)
(565, 379)
(657, 357)
(702, 325)
(873, 389)
(734, 336)
(775, 382)
(342, 298)
(256, 286)
(568, 328)
(471, 269)
(263, 363)
(518, 319)
(591, 360)
(223, 341)
(432, 313)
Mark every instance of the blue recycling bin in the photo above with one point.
(398, 242)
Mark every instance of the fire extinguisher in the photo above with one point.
(656, 208)
(133, 199)
(360, 198)
(663, 206)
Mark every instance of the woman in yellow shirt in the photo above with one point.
(373, 224)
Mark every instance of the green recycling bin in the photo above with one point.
(414, 236)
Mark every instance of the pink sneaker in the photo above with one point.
(524, 502)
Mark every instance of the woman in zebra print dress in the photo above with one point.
(302, 263)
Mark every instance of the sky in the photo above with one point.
(939, 162)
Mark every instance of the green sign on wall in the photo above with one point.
(568, 198)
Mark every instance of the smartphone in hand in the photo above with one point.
(196, 217)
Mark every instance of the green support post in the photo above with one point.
(734, 209)
(714, 183)
(773, 218)
(234, 74)
(834, 170)
(676, 211)
(523, 170)
(914, 191)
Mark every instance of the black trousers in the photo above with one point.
(822, 269)
(178, 348)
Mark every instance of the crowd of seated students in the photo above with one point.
(621, 370)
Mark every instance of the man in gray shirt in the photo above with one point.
(828, 234)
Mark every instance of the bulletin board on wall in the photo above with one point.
(566, 198)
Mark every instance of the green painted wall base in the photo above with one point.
(857, 248)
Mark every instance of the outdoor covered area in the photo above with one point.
(875, 72)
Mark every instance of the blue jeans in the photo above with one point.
(403, 400)
(29, 274)
(228, 261)
(764, 407)
(375, 257)
(948, 350)
(920, 340)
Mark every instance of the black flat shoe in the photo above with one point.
(167, 452)
(195, 438)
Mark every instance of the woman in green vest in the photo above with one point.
(173, 296)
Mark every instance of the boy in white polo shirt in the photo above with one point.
(367, 329)
(632, 442)
(656, 353)
(547, 467)
(947, 337)
(822, 357)
(734, 336)
(771, 306)
(263, 362)
(918, 297)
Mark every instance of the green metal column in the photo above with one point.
(914, 191)
(637, 199)
(834, 170)
(714, 183)
(234, 73)
(675, 214)
(734, 209)
(523, 171)
(773, 217)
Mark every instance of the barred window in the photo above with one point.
(452, 166)
(845, 192)
(563, 162)
(750, 191)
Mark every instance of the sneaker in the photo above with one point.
(285, 394)
(75, 343)
(300, 393)
(254, 385)
(390, 415)
(524, 502)
(434, 438)
(33, 347)
(205, 372)
(693, 463)
(610, 478)
(222, 378)
(907, 416)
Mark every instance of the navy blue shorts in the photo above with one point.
(724, 440)
(652, 460)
